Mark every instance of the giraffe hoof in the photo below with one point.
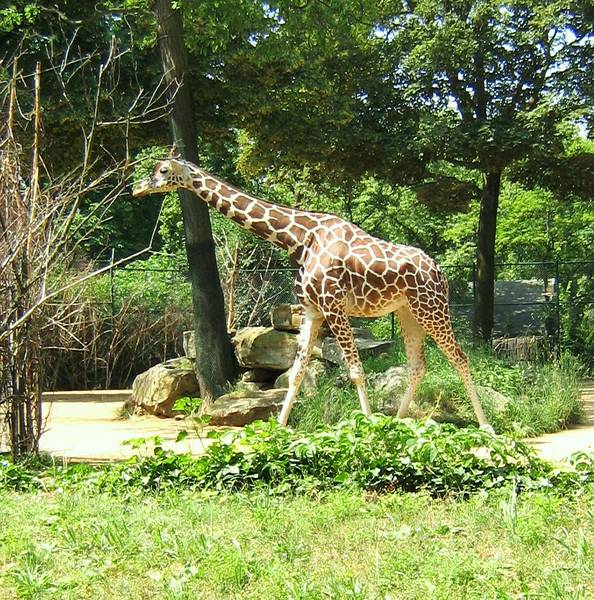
(487, 428)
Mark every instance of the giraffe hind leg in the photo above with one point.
(441, 331)
(414, 339)
(450, 347)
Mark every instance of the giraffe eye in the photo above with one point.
(163, 170)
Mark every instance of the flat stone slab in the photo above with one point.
(367, 347)
(242, 407)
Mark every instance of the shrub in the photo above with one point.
(379, 454)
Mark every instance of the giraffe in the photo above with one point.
(343, 272)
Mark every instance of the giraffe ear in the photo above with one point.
(173, 152)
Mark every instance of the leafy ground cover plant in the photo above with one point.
(379, 454)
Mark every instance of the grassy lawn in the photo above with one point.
(343, 544)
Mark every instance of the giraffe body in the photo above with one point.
(343, 272)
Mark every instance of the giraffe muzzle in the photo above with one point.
(143, 188)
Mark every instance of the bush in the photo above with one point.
(380, 454)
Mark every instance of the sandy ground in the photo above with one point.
(93, 430)
(560, 445)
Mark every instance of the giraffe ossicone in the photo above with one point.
(343, 272)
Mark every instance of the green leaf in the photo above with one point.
(181, 435)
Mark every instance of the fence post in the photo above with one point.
(473, 315)
(556, 289)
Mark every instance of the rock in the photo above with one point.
(188, 344)
(265, 348)
(253, 386)
(286, 317)
(367, 347)
(310, 380)
(156, 390)
(389, 383)
(259, 376)
(362, 332)
(242, 407)
(497, 401)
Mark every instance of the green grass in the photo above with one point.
(75, 545)
(541, 398)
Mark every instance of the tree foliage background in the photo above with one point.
(462, 127)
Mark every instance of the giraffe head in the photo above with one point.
(168, 175)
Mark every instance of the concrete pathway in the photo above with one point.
(88, 426)
(560, 445)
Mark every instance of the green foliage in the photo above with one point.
(17, 476)
(521, 399)
(537, 398)
(378, 453)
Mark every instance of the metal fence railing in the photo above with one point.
(139, 319)
(531, 298)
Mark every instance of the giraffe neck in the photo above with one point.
(282, 226)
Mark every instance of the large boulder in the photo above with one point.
(286, 317)
(390, 383)
(265, 348)
(367, 347)
(156, 390)
(497, 402)
(244, 406)
(310, 379)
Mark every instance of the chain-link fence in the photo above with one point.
(540, 309)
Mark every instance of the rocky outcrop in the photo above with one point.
(242, 407)
(265, 348)
(310, 379)
(265, 354)
(156, 390)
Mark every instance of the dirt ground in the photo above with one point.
(93, 430)
(556, 446)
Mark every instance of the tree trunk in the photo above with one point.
(485, 259)
(215, 359)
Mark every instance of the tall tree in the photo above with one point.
(215, 365)
(499, 77)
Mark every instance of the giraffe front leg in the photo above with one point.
(310, 325)
(340, 327)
